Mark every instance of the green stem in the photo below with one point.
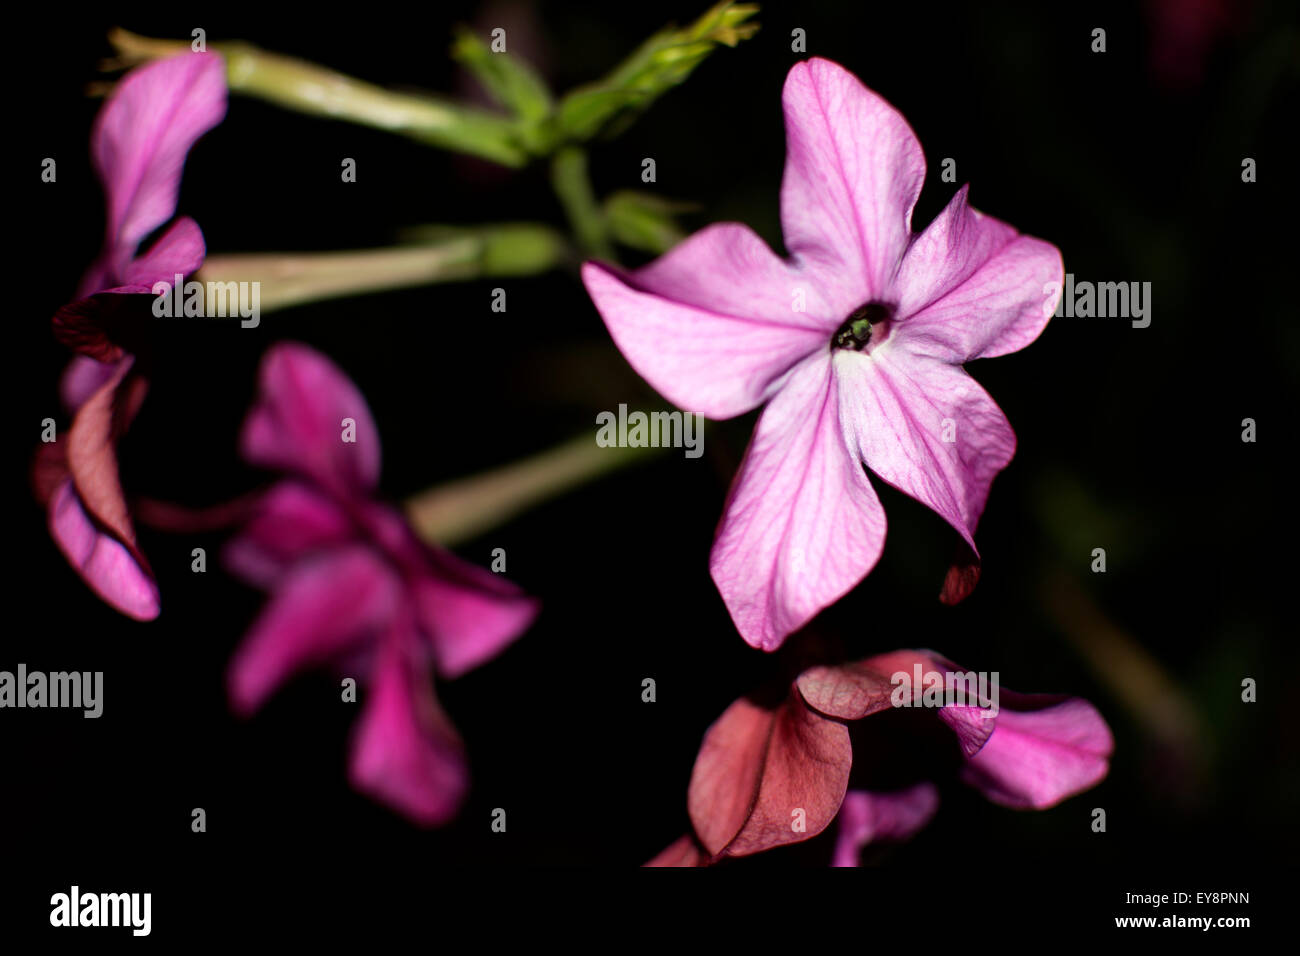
(573, 187)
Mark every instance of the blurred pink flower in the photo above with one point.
(352, 585)
(760, 762)
(855, 344)
(139, 144)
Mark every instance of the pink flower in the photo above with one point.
(855, 344)
(139, 145)
(765, 764)
(351, 584)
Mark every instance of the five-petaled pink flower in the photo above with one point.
(352, 585)
(139, 145)
(855, 344)
(763, 761)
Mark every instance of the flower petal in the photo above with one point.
(82, 378)
(925, 427)
(882, 817)
(113, 570)
(684, 851)
(142, 136)
(179, 251)
(405, 752)
(853, 171)
(802, 524)
(972, 287)
(1037, 758)
(289, 522)
(761, 771)
(324, 606)
(297, 423)
(723, 330)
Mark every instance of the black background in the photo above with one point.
(1129, 439)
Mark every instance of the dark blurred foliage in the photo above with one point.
(1129, 439)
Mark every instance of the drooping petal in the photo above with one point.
(468, 614)
(1038, 757)
(767, 776)
(853, 172)
(141, 138)
(893, 817)
(289, 522)
(723, 331)
(324, 606)
(405, 752)
(114, 571)
(925, 427)
(179, 251)
(802, 524)
(685, 851)
(301, 418)
(972, 287)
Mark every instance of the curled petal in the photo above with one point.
(685, 851)
(853, 172)
(305, 405)
(766, 776)
(113, 570)
(802, 524)
(972, 287)
(141, 139)
(324, 606)
(716, 358)
(893, 817)
(925, 427)
(179, 251)
(1038, 757)
(405, 753)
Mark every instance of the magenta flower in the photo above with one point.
(139, 145)
(855, 344)
(352, 585)
(762, 766)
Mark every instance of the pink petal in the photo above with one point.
(685, 851)
(82, 378)
(1037, 758)
(897, 409)
(757, 767)
(290, 522)
(324, 606)
(406, 754)
(802, 524)
(972, 287)
(723, 330)
(867, 818)
(179, 251)
(112, 570)
(142, 136)
(297, 423)
(853, 172)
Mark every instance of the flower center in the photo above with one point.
(857, 329)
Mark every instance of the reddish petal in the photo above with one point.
(406, 754)
(114, 571)
(142, 136)
(289, 522)
(853, 171)
(297, 424)
(324, 606)
(802, 524)
(685, 851)
(760, 770)
(867, 818)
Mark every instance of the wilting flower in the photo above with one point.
(139, 145)
(855, 344)
(764, 765)
(351, 585)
